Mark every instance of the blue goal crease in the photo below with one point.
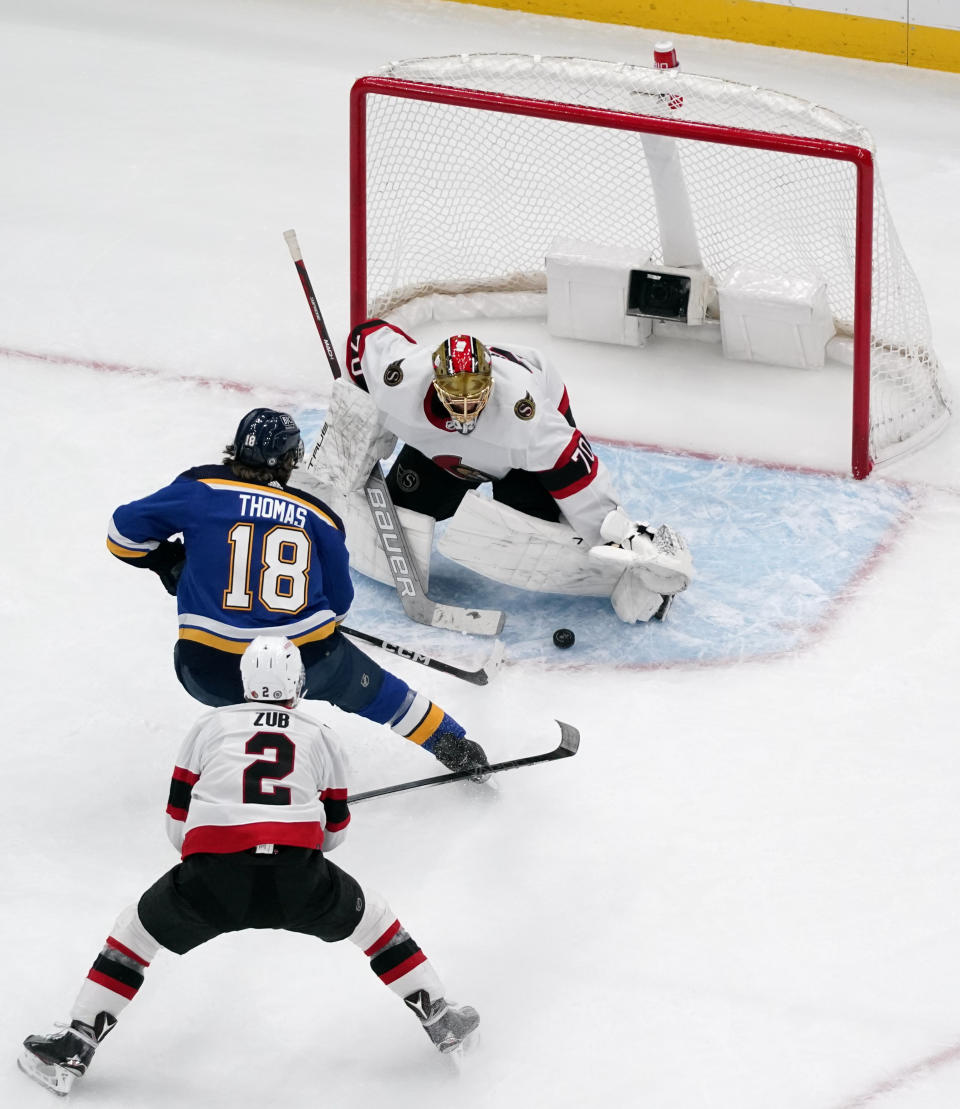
(774, 551)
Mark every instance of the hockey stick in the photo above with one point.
(476, 677)
(569, 742)
(403, 569)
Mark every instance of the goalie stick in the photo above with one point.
(569, 742)
(403, 569)
(476, 677)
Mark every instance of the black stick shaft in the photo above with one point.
(569, 745)
(477, 677)
(294, 246)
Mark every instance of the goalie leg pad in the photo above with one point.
(519, 550)
(366, 555)
(501, 543)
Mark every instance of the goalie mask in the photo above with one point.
(462, 378)
(264, 437)
(271, 670)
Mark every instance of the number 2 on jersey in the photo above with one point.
(265, 769)
(285, 557)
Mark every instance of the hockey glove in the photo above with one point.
(167, 562)
(660, 556)
(457, 753)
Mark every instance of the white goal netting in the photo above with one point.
(464, 194)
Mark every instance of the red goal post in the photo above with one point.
(465, 169)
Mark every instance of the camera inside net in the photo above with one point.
(664, 296)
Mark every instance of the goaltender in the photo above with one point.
(469, 414)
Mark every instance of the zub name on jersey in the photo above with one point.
(272, 720)
(272, 508)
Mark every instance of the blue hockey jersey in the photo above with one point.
(260, 559)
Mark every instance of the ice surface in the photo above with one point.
(742, 892)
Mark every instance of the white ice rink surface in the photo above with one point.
(743, 891)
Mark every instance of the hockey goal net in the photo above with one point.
(465, 169)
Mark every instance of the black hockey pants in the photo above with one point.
(418, 483)
(296, 889)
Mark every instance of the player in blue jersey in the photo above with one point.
(260, 557)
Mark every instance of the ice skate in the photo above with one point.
(450, 1027)
(57, 1060)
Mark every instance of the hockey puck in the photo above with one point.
(563, 638)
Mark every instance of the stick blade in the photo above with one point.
(489, 668)
(495, 661)
(569, 739)
(473, 621)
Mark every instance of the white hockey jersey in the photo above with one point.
(526, 424)
(251, 774)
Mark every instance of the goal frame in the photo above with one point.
(859, 157)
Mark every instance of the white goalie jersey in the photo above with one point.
(526, 424)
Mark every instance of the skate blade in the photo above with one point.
(454, 1063)
(56, 1079)
(464, 1047)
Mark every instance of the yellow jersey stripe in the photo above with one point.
(319, 633)
(425, 729)
(238, 646)
(266, 491)
(124, 552)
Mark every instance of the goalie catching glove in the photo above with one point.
(352, 440)
(658, 557)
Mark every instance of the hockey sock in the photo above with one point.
(410, 714)
(395, 957)
(423, 722)
(117, 972)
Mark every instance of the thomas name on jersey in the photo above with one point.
(272, 508)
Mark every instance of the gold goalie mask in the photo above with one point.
(463, 379)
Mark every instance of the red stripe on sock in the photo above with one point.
(407, 965)
(129, 992)
(384, 939)
(117, 945)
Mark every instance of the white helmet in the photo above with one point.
(271, 670)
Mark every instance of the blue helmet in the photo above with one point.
(264, 436)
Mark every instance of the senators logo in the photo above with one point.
(525, 409)
(393, 375)
(454, 465)
(408, 480)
